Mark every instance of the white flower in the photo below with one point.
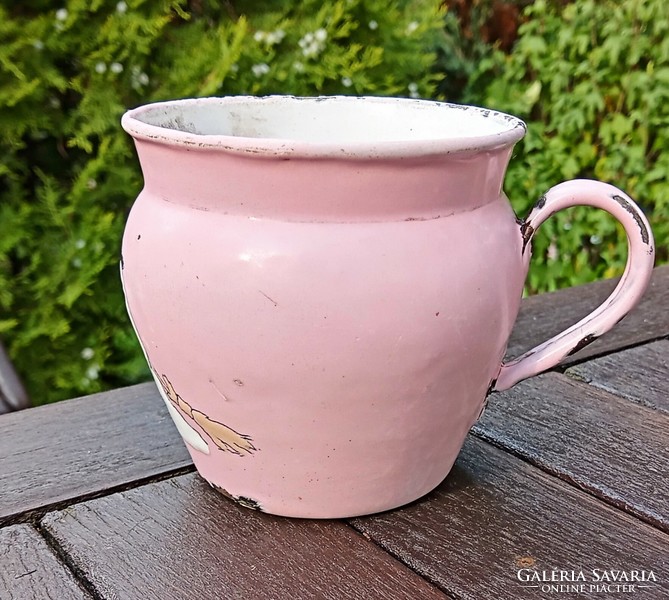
(116, 67)
(61, 14)
(411, 27)
(373, 25)
(595, 240)
(311, 50)
(91, 184)
(138, 78)
(79, 244)
(275, 37)
(76, 263)
(100, 67)
(566, 226)
(87, 353)
(92, 371)
(313, 44)
(271, 38)
(260, 69)
(54, 102)
(346, 81)
(413, 90)
(298, 66)
(307, 40)
(552, 253)
(121, 7)
(321, 35)
(38, 45)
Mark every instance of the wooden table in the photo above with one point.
(567, 471)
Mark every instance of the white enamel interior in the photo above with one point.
(324, 125)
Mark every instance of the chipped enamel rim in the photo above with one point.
(509, 130)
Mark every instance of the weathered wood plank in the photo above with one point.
(639, 374)
(547, 314)
(180, 539)
(64, 451)
(605, 444)
(30, 570)
(495, 515)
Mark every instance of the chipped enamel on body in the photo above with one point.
(338, 279)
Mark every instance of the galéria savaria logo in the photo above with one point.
(588, 581)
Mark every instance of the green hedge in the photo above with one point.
(592, 81)
(69, 175)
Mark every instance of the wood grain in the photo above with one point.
(639, 374)
(59, 452)
(30, 570)
(605, 444)
(495, 514)
(545, 315)
(180, 539)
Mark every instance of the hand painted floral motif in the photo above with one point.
(225, 438)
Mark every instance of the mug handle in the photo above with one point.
(628, 292)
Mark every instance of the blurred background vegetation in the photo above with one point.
(590, 77)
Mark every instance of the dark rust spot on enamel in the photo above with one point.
(588, 339)
(527, 231)
(645, 238)
(241, 500)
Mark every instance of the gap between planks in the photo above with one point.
(35, 515)
(67, 562)
(501, 425)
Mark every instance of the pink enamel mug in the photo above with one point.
(324, 288)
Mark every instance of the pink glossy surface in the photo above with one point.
(345, 315)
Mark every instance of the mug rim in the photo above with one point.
(510, 130)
